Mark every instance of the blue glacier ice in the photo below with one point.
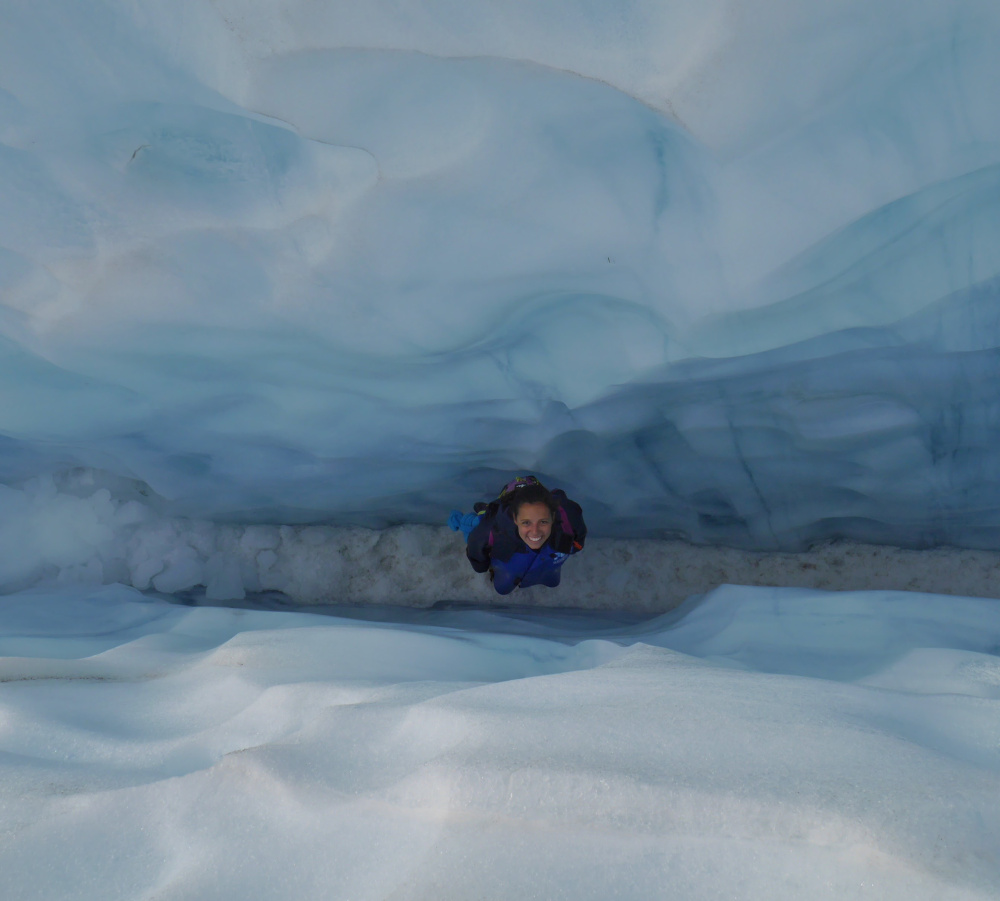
(726, 273)
(282, 282)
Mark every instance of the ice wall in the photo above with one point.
(81, 530)
(724, 271)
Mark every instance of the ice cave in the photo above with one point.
(282, 283)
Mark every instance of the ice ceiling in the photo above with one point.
(723, 270)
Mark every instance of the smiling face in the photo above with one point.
(534, 524)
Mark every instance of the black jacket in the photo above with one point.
(569, 532)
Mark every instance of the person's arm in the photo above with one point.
(477, 549)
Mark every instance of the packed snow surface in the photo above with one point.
(726, 272)
(757, 743)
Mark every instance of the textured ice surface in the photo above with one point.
(724, 272)
(80, 530)
(760, 744)
(282, 282)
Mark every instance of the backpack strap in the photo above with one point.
(481, 510)
(568, 529)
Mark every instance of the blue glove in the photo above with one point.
(463, 522)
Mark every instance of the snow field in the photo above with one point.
(152, 750)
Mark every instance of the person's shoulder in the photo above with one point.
(479, 533)
(503, 518)
(496, 516)
(563, 500)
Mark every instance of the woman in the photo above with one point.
(524, 537)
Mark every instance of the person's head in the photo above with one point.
(533, 510)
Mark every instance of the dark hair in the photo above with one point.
(531, 494)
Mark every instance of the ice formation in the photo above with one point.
(725, 272)
(283, 282)
(770, 745)
(75, 532)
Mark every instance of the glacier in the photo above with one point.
(726, 273)
(284, 282)
(757, 743)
